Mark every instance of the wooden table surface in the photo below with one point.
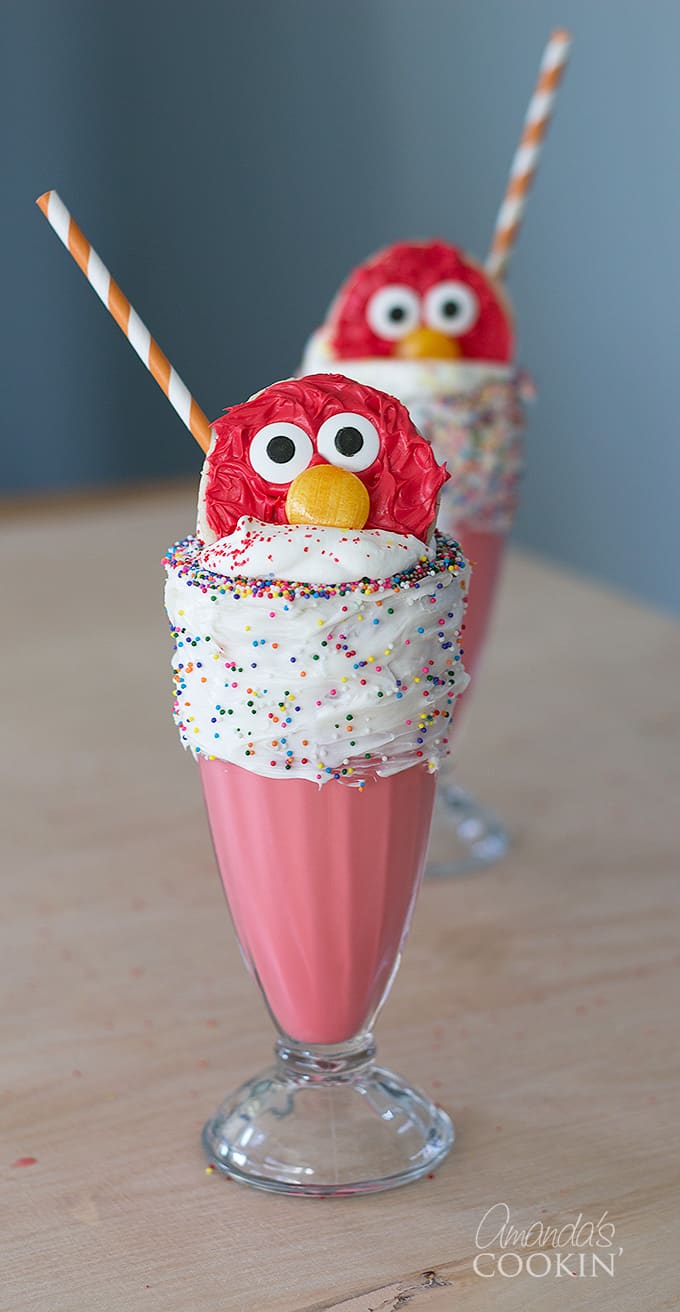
(537, 1001)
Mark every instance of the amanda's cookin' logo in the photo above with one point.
(577, 1248)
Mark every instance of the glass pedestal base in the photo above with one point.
(465, 836)
(324, 1121)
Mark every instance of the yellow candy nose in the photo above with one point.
(427, 344)
(325, 494)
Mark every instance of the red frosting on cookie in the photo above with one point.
(419, 266)
(403, 481)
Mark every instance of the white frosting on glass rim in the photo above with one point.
(323, 679)
(471, 411)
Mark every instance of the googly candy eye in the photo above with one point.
(451, 307)
(348, 440)
(279, 452)
(393, 311)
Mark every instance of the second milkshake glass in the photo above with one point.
(433, 328)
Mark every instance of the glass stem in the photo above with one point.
(320, 1064)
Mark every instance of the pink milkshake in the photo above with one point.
(316, 617)
(321, 894)
(486, 551)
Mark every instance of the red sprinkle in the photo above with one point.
(25, 1161)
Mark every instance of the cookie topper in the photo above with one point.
(320, 450)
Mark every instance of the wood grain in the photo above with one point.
(537, 1001)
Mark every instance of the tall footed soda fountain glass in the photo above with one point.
(425, 322)
(316, 621)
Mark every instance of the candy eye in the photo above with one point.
(393, 311)
(348, 440)
(451, 307)
(279, 452)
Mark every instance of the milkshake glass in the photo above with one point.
(425, 323)
(316, 617)
(319, 712)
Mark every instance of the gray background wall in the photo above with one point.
(232, 160)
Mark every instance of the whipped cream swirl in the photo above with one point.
(318, 554)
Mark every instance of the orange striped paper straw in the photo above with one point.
(528, 152)
(126, 317)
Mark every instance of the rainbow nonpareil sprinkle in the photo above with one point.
(317, 682)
